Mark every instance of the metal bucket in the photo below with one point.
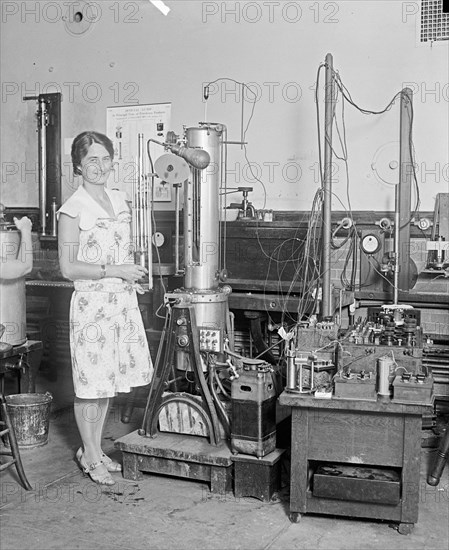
(30, 417)
(12, 293)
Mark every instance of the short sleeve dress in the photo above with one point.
(108, 344)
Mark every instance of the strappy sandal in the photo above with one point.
(102, 478)
(111, 465)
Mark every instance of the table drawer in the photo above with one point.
(363, 438)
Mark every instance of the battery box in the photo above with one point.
(356, 386)
(253, 399)
(416, 389)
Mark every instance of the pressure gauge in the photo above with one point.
(158, 239)
(371, 243)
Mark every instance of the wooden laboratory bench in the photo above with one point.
(357, 433)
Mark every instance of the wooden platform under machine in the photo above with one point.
(177, 455)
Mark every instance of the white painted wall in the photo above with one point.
(134, 53)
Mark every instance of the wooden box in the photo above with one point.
(257, 477)
(356, 388)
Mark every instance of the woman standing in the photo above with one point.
(109, 349)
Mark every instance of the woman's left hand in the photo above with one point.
(130, 273)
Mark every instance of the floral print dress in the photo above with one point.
(108, 344)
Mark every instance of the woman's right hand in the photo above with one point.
(23, 224)
(130, 273)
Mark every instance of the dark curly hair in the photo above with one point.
(81, 145)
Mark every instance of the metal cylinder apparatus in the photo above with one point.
(12, 291)
(201, 210)
(202, 239)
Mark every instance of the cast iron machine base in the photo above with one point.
(181, 335)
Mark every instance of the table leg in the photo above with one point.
(28, 375)
(294, 517)
(299, 465)
(405, 528)
(410, 469)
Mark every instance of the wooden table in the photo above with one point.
(24, 359)
(359, 433)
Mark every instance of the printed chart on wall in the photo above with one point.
(123, 126)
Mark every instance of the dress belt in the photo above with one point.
(108, 284)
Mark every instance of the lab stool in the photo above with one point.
(14, 452)
(257, 477)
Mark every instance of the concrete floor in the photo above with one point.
(67, 510)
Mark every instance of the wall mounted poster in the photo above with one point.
(123, 126)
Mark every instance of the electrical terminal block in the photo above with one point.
(210, 340)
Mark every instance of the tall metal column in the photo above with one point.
(327, 187)
(403, 195)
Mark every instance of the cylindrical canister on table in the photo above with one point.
(12, 292)
(292, 382)
(385, 369)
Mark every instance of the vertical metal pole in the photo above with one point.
(149, 191)
(327, 187)
(403, 195)
(42, 139)
(138, 194)
(134, 214)
(396, 266)
(242, 132)
(177, 186)
(140, 199)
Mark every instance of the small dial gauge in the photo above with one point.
(371, 244)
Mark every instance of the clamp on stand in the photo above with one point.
(245, 208)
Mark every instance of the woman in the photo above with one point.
(109, 349)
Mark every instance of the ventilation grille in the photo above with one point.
(434, 21)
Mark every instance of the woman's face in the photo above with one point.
(96, 165)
